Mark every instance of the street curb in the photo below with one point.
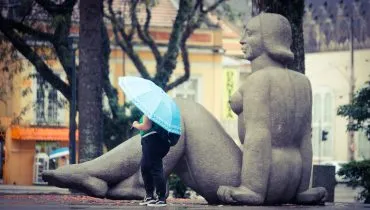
(32, 190)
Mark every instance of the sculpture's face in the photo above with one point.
(251, 40)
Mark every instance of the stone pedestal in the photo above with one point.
(324, 176)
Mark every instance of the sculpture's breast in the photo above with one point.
(236, 102)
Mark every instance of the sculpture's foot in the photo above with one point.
(312, 196)
(82, 182)
(239, 195)
(128, 189)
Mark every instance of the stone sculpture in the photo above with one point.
(274, 115)
(274, 166)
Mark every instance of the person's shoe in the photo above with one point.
(147, 200)
(158, 203)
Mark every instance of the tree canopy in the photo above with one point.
(32, 25)
(358, 110)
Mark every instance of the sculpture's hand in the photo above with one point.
(239, 195)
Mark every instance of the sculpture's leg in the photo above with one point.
(73, 178)
(257, 151)
(305, 195)
(93, 177)
(254, 177)
(312, 196)
(133, 187)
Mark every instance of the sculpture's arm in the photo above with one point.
(306, 149)
(306, 154)
(257, 144)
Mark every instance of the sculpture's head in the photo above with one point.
(270, 33)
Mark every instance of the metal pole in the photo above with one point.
(72, 110)
(351, 94)
(320, 140)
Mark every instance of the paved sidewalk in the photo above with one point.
(50, 197)
(26, 190)
(342, 193)
(64, 202)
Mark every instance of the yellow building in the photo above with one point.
(329, 73)
(327, 35)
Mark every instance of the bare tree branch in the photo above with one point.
(165, 69)
(35, 59)
(108, 88)
(185, 77)
(125, 44)
(61, 45)
(118, 24)
(145, 36)
(53, 8)
(192, 25)
(212, 7)
(134, 21)
(29, 30)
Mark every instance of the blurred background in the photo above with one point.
(42, 74)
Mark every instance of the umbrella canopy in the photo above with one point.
(59, 152)
(153, 102)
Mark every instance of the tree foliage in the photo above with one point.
(358, 174)
(46, 23)
(358, 110)
(177, 187)
(10, 66)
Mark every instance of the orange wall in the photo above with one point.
(18, 165)
(19, 160)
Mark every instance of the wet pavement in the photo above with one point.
(56, 202)
(48, 197)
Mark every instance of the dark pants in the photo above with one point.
(154, 149)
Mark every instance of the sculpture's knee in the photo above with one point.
(131, 188)
(95, 187)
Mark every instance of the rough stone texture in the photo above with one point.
(204, 158)
(274, 109)
(273, 105)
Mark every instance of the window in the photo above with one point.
(188, 90)
(40, 101)
(322, 119)
(53, 106)
(47, 104)
(363, 151)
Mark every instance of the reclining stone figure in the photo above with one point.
(274, 166)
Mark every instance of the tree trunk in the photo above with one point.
(293, 10)
(90, 80)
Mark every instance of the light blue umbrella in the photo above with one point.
(59, 152)
(153, 102)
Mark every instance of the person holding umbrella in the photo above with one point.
(154, 149)
(160, 128)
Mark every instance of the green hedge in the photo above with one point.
(178, 188)
(358, 173)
